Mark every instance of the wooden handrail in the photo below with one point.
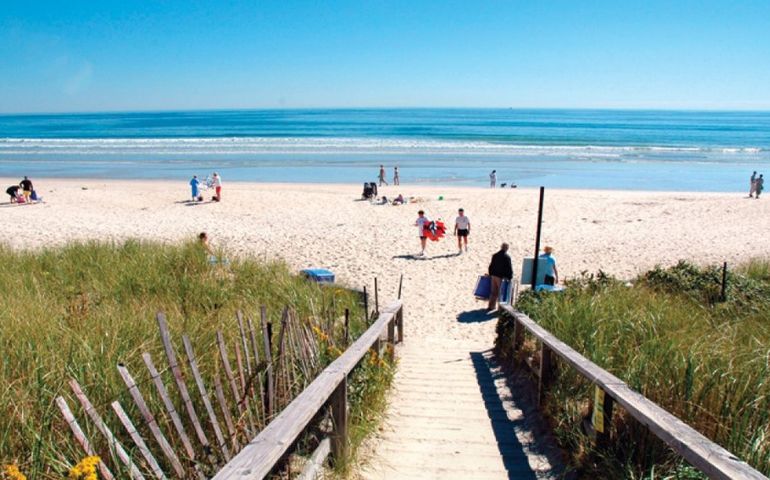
(702, 453)
(259, 457)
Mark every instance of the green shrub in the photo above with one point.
(668, 336)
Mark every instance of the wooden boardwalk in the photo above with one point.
(453, 415)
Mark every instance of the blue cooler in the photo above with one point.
(320, 275)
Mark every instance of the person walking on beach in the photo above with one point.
(492, 179)
(422, 224)
(462, 230)
(759, 185)
(26, 188)
(217, 182)
(194, 184)
(396, 179)
(382, 175)
(551, 273)
(499, 268)
(753, 184)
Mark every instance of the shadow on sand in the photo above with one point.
(413, 256)
(479, 315)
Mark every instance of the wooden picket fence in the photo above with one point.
(235, 405)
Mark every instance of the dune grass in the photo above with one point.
(77, 311)
(670, 337)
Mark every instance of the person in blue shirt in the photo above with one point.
(194, 185)
(551, 273)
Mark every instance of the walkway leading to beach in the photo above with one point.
(452, 413)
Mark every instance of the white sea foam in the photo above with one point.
(340, 146)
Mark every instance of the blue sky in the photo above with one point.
(129, 55)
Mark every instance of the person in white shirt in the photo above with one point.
(493, 179)
(462, 229)
(422, 223)
(218, 186)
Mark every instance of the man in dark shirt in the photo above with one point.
(26, 188)
(499, 268)
(12, 191)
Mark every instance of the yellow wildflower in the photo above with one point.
(85, 469)
(12, 472)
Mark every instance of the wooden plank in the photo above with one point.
(246, 353)
(239, 400)
(138, 441)
(150, 421)
(257, 458)
(400, 324)
(180, 383)
(339, 407)
(544, 378)
(312, 468)
(705, 455)
(205, 396)
(257, 379)
(267, 337)
(133, 470)
(220, 393)
(80, 436)
(169, 405)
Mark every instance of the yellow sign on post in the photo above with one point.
(598, 417)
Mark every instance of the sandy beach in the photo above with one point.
(328, 226)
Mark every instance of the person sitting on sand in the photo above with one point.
(203, 239)
(13, 192)
(551, 273)
(399, 200)
(194, 186)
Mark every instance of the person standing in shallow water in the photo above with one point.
(396, 179)
(493, 179)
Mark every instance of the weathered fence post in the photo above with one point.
(376, 297)
(347, 327)
(400, 284)
(400, 324)
(602, 418)
(339, 406)
(545, 372)
(518, 334)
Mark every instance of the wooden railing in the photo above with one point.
(699, 451)
(257, 459)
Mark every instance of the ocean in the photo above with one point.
(616, 149)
